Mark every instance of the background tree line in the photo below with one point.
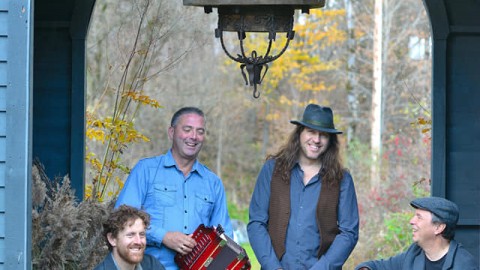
(157, 56)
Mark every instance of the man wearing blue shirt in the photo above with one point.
(177, 191)
(303, 212)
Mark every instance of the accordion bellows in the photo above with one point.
(214, 251)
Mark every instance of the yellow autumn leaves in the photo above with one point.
(115, 134)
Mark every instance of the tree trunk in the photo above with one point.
(376, 135)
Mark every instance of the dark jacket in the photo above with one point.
(148, 263)
(457, 258)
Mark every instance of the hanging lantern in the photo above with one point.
(265, 16)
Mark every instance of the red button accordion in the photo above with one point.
(214, 251)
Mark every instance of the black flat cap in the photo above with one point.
(445, 210)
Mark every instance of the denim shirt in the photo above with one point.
(175, 202)
(303, 238)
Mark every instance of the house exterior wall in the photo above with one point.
(59, 88)
(456, 114)
(3, 119)
(15, 133)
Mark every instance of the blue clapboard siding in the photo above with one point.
(3, 18)
(2, 172)
(3, 101)
(3, 73)
(3, 87)
(2, 197)
(2, 233)
(2, 166)
(15, 133)
(3, 121)
(2, 239)
(3, 45)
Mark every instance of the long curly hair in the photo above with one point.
(332, 168)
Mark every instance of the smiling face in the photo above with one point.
(424, 230)
(129, 244)
(313, 143)
(187, 136)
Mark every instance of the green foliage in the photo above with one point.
(235, 213)
(424, 124)
(398, 234)
(357, 154)
(116, 133)
(421, 188)
(307, 66)
(116, 130)
(306, 73)
(251, 255)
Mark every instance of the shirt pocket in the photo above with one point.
(204, 204)
(165, 194)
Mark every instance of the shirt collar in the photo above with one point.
(170, 162)
(298, 169)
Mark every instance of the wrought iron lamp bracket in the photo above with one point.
(267, 16)
(255, 63)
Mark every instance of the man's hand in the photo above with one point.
(179, 242)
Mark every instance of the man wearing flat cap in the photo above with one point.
(303, 212)
(434, 248)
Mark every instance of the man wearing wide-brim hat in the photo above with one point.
(303, 212)
(433, 228)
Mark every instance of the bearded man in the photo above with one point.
(303, 212)
(125, 236)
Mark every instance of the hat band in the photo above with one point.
(320, 124)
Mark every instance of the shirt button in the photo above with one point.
(185, 196)
(185, 227)
(185, 211)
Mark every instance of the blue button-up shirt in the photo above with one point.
(175, 202)
(303, 238)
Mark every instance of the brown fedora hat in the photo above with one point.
(318, 118)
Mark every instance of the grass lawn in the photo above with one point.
(251, 256)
